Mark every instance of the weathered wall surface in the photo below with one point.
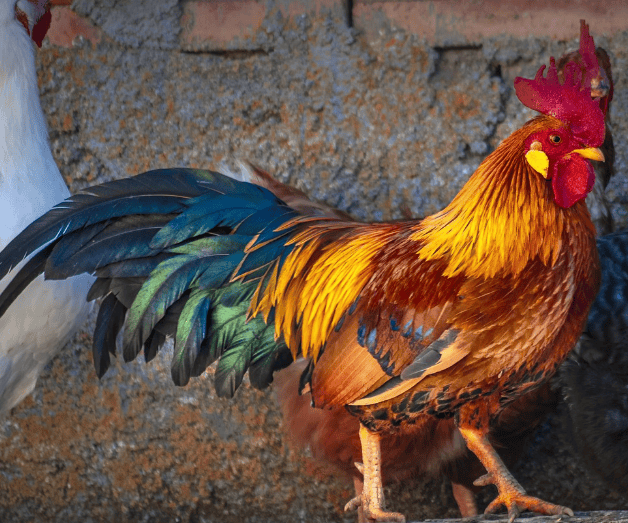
(373, 119)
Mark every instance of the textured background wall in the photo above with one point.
(383, 119)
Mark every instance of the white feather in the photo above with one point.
(40, 322)
(243, 174)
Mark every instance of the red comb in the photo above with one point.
(592, 64)
(587, 52)
(36, 20)
(570, 101)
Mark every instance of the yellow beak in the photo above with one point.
(592, 153)
(538, 160)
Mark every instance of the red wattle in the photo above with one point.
(572, 180)
(41, 28)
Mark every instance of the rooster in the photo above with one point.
(46, 314)
(437, 447)
(453, 316)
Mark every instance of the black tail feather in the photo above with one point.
(152, 345)
(108, 324)
(27, 274)
(100, 287)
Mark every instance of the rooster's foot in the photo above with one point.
(515, 504)
(370, 498)
(514, 498)
(373, 512)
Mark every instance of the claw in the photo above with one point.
(512, 515)
(511, 493)
(516, 503)
(485, 480)
(371, 500)
(353, 504)
(384, 517)
(496, 505)
(373, 513)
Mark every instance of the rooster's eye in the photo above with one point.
(555, 138)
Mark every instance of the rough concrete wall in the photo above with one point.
(378, 123)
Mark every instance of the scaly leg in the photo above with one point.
(465, 499)
(372, 498)
(511, 494)
(358, 485)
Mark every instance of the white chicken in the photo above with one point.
(40, 322)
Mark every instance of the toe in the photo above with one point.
(384, 517)
(513, 513)
(483, 481)
(353, 504)
(495, 505)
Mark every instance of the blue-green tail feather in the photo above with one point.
(176, 252)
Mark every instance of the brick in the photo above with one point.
(295, 8)
(220, 25)
(66, 25)
(446, 23)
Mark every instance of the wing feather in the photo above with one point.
(449, 353)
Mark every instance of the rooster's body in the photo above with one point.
(46, 313)
(453, 316)
(435, 446)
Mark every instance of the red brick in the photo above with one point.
(66, 25)
(214, 25)
(443, 22)
(312, 7)
(218, 25)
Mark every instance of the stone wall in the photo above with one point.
(382, 109)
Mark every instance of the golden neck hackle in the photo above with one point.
(502, 218)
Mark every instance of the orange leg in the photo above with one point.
(465, 498)
(372, 498)
(358, 485)
(511, 494)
